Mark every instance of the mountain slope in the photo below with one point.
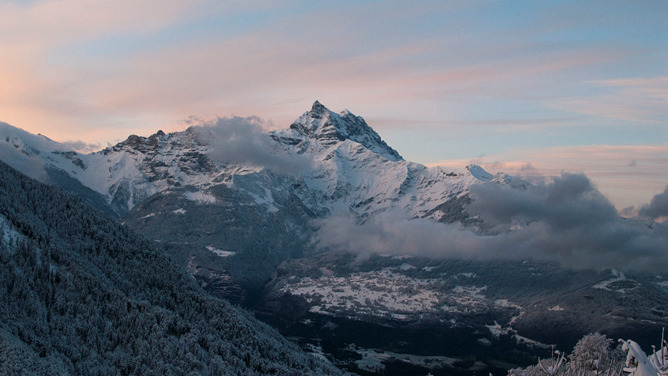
(354, 170)
(231, 221)
(83, 295)
(47, 161)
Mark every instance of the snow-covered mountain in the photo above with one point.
(185, 190)
(241, 208)
(351, 168)
(122, 175)
(355, 170)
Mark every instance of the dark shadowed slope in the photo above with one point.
(80, 294)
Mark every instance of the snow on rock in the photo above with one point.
(220, 252)
(200, 197)
(329, 128)
(479, 173)
(265, 199)
(618, 283)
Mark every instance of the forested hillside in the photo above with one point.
(81, 294)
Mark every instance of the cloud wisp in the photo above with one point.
(244, 141)
(80, 146)
(566, 220)
(658, 207)
(640, 100)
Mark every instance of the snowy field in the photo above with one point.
(388, 294)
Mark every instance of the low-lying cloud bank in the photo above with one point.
(245, 141)
(566, 220)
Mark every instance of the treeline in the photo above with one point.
(82, 295)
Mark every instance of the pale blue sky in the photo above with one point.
(567, 85)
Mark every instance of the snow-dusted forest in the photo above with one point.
(81, 294)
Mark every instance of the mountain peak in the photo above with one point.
(330, 128)
(318, 108)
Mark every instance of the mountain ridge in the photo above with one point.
(138, 167)
(323, 164)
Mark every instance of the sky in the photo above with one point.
(525, 87)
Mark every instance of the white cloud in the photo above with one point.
(565, 220)
(629, 175)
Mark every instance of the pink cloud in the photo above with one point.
(637, 99)
(46, 24)
(339, 55)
